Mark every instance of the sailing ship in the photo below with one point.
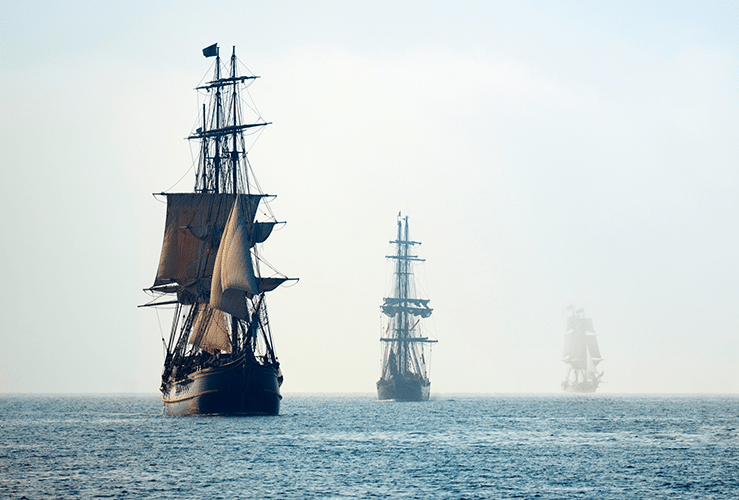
(404, 369)
(581, 354)
(220, 356)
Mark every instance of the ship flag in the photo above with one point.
(211, 50)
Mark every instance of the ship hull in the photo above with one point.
(581, 387)
(238, 387)
(403, 389)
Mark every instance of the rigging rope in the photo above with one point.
(161, 332)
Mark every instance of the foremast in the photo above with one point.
(209, 264)
(403, 344)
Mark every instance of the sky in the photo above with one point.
(546, 153)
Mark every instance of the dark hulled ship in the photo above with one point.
(581, 354)
(404, 366)
(220, 356)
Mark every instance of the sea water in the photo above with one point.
(556, 446)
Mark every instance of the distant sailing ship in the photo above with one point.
(404, 367)
(220, 356)
(581, 353)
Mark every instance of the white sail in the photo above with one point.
(192, 230)
(233, 273)
(592, 344)
(590, 366)
(192, 236)
(582, 354)
(210, 331)
(580, 325)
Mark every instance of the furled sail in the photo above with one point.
(417, 307)
(394, 310)
(396, 301)
(210, 331)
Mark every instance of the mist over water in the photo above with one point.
(546, 152)
(558, 446)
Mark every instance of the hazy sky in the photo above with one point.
(547, 153)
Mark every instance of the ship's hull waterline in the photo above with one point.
(403, 389)
(581, 387)
(238, 387)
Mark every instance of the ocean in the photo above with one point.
(452, 447)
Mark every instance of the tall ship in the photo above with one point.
(220, 357)
(581, 354)
(404, 347)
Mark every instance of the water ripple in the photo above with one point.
(356, 447)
